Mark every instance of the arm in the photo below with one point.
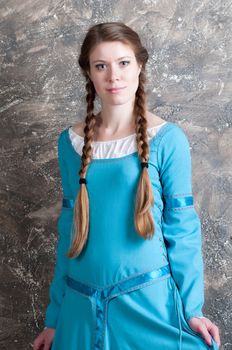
(58, 284)
(181, 223)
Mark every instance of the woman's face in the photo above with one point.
(113, 65)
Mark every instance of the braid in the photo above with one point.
(81, 210)
(90, 122)
(144, 198)
(141, 121)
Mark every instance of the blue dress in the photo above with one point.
(123, 292)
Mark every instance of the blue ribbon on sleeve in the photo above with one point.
(68, 202)
(176, 202)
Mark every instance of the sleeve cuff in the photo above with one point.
(197, 316)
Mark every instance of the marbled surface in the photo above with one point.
(42, 92)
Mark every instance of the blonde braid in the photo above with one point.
(143, 217)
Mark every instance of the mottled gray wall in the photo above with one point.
(41, 93)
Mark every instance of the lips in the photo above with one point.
(116, 89)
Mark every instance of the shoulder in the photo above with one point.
(170, 130)
(171, 133)
(153, 120)
(78, 128)
(173, 145)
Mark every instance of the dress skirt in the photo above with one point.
(141, 312)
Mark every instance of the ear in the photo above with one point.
(89, 75)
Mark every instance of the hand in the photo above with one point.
(206, 328)
(44, 339)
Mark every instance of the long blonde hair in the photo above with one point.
(143, 219)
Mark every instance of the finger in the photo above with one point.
(214, 330)
(37, 344)
(47, 346)
(206, 335)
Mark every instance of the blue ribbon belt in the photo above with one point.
(101, 296)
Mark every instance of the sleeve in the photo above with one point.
(58, 284)
(181, 224)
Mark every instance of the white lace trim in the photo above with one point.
(113, 148)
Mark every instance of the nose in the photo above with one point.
(113, 74)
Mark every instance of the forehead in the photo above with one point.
(110, 51)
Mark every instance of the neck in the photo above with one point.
(118, 119)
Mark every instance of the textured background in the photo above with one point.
(42, 92)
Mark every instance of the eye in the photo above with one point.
(124, 62)
(101, 64)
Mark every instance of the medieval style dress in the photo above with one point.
(124, 292)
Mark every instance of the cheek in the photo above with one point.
(133, 80)
(97, 85)
(132, 76)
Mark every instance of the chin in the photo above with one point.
(117, 102)
(118, 99)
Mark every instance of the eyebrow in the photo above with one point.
(116, 60)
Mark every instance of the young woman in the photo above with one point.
(129, 269)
